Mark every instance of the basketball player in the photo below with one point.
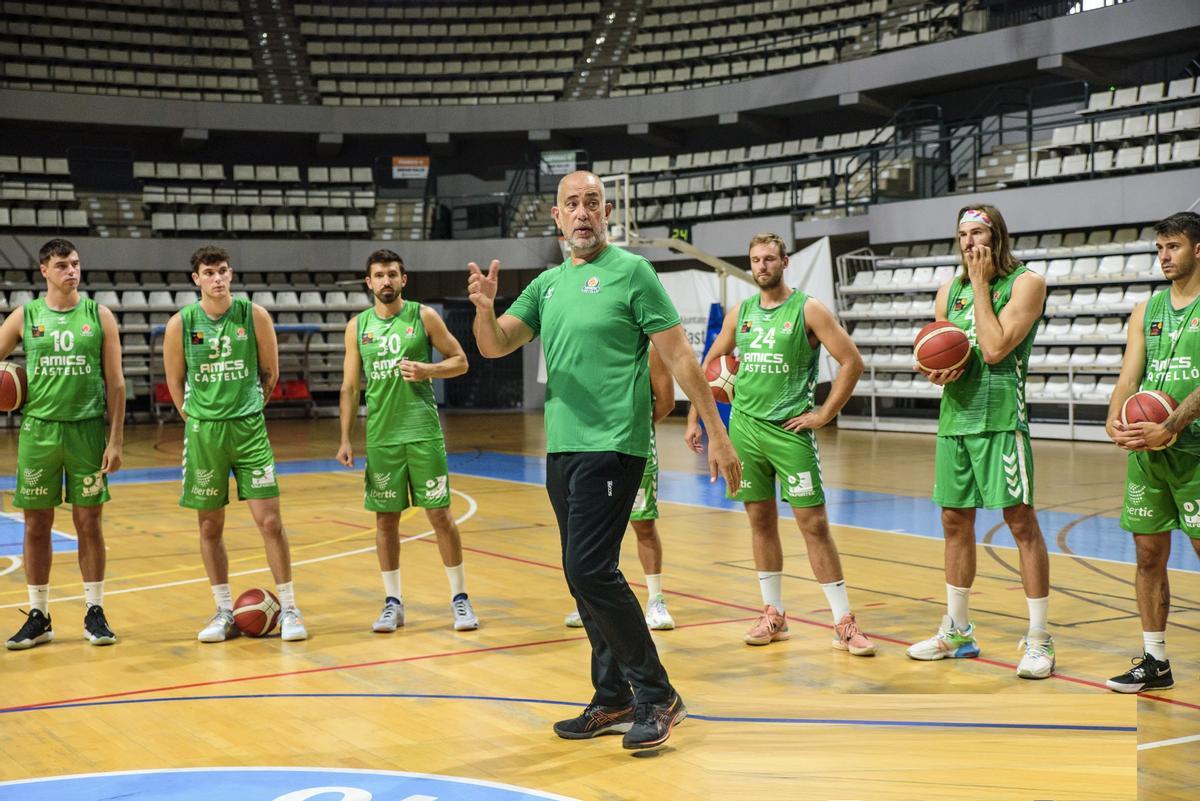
(596, 313)
(983, 456)
(221, 361)
(645, 508)
(779, 334)
(1162, 486)
(406, 451)
(73, 353)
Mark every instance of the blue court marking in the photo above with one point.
(12, 536)
(1096, 537)
(267, 784)
(936, 724)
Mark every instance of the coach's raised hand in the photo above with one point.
(481, 289)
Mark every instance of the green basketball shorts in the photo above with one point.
(992, 470)
(1162, 493)
(407, 474)
(212, 449)
(49, 451)
(645, 503)
(766, 450)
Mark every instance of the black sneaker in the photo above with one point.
(596, 720)
(96, 629)
(1147, 673)
(35, 631)
(653, 723)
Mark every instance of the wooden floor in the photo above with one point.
(795, 720)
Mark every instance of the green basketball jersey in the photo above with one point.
(62, 351)
(777, 374)
(987, 397)
(397, 411)
(1173, 355)
(222, 363)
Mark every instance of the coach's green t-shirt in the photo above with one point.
(222, 363)
(777, 375)
(397, 411)
(987, 397)
(1173, 356)
(63, 353)
(593, 319)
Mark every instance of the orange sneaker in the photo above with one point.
(770, 627)
(849, 638)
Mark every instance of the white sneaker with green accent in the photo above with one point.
(573, 620)
(1038, 659)
(291, 625)
(218, 629)
(948, 643)
(657, 616)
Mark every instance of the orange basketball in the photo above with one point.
(256, 612)
(14, 386)
(1149, 406)
(941, 345)
(722, 375)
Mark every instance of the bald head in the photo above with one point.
(579, 182)
(582, 213)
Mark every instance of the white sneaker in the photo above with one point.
(948, 643)
(657, 616)
(291, 625)
(391, 618)
(1038, 661)
(464, 615)
(573, 620)
(218, 629)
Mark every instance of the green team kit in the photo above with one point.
(63, 427)
(983, 456)
(776, 380)
(406, 452)
(1162, 488)
(223, 402)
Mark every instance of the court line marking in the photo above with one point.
(14, 563)
(868, 722)
(472, 508)
(1173, 741)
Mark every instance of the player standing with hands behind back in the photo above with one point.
(596, 313)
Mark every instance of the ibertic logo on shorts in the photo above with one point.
(380, 490)
(32, 475)
(800, 484)
(204, 476)
(93, 485)
(262, 477)
(1136, 497)
(1191, 514)
(436, 488)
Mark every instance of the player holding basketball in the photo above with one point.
(221, 362)
(1162, 485)
(596, 314)
(645, 508)
(406, 451)
(983, 456)
(73, 351)
(779, 334)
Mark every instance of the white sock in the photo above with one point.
(391, 583)
(458, 580)
(93, 593)
(770, 584)
(1038, 609)
(653, 586)
(223, 597)
(956, 604)
(1155, 643)
(39, 597)
(839, 600)
(287, 595)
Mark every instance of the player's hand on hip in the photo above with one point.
(481, 288)
(694, 437)
(804, 421)
(415, 371)
(110, 462)
(345, 455)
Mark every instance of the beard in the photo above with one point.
(588, 241)
(386, 295)
(768, 281)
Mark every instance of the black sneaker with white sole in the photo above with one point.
(1147, 673)
(36, 630)
(596, 720)
(95, 627)
(652, 723)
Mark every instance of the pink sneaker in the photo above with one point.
(849, 638)
(770, 627)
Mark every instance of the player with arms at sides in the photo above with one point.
(73, 350)
(983, 456)
(390, 344)
(221, 361)
(645, 507)
(1162, 485)
(779, 333)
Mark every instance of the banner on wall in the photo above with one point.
(559, 162)
(410, 167)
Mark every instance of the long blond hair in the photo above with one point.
(1002, 256)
